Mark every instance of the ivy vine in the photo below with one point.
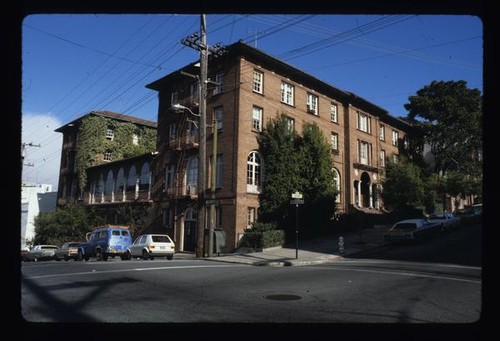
(93, 143)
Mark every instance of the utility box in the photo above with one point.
(219, 241)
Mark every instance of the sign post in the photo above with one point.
(297, 200)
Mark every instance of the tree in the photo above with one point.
(403, 186)
(277, 144)
(450, 117)
(317, 180)
(293, 163)
(68, 223)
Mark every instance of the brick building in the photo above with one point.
(247, 88)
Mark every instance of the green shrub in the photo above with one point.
(262, 236)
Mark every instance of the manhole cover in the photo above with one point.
(283, 297)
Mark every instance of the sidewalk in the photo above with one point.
(310, 252)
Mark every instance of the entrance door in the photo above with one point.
(189, 229)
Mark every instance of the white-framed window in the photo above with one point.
(254, 172)
(363, 152)
(108, 156)
(169, 177)
(287, 93)
(336, 181)
(257, 118)
(364, 122)
(395, 158)
(334, 113)
(290, 123)
(192, 175)
(135, 139)
(258, 81)
(110, 134)
(251, 216)
(334, 139)
(219, 83)
(395, 138)
(382, 132)
(218, 112)
(312, 104)
(382, 158)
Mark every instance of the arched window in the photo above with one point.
(120, 184)
(336, 181)
(108, 186)
(145, 177)
(131, 179)
(192, 176)
(254, 172)
(99, 192)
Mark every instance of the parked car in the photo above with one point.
(447, 220)
(412, 230)
(41, 252)
(106, 241)
(67, 251)
(24, 251)
(149, 246)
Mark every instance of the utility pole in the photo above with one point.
(199, 43)
(213, 185)
(23, 154)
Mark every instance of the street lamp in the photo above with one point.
(178, 106)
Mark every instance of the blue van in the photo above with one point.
(106, 241)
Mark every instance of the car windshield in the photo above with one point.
(404, 226)
(49, 247)
(161, 239)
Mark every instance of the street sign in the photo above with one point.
(297, 195)
(297, 202)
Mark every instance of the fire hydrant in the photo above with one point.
(341, 245)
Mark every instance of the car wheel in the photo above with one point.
(98, 254)
(145, 255)
(170, 257)
(104, 257)
(80, 256)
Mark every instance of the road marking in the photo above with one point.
(445, 265)
(410, 274)
(94, 272)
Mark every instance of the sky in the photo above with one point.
(76, 63)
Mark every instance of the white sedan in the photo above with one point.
(149, 246)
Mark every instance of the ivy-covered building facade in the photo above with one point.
(105, 160)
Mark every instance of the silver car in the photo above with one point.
(41, 252)
(149, 246)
